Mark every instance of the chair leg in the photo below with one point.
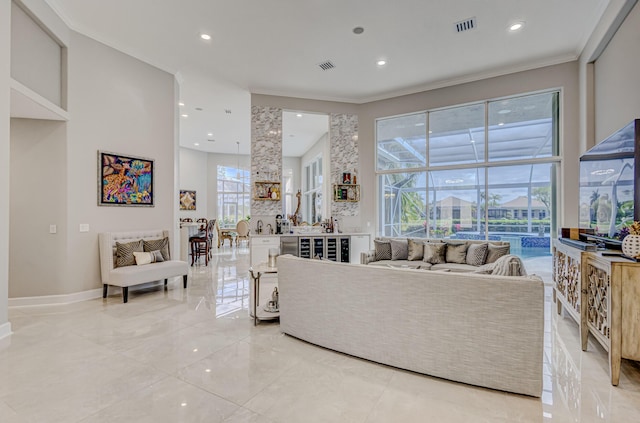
(105, 289)
(184, 281)
(125, 294)
(165, 283)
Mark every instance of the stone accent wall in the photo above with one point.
(266, 155)
(343, 139)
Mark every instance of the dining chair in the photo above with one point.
(242, 232)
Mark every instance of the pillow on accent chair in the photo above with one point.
(124, 253)
(147, 257)
(457, 252)
(477, 254)
(434, 253)
(161, 244)
(415, 249)
(383, 249)
(399, 249)
(496, 251)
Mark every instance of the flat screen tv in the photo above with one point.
(610, 184)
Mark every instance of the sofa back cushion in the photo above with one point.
(383, 249)
(399, 249)
(477, 254)
(415, 249)
(496, 251)
(457, 252)
(434, 253)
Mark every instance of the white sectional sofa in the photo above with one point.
(127, 276)
(478, 329)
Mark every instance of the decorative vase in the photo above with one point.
(631, 246)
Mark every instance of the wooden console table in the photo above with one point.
(607, 303)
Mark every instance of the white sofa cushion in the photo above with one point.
(134, 275)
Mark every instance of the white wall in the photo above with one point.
(617, 80)
(118, 104)
(36, 58)
(193, 176)
(38, 199)
(5, 60)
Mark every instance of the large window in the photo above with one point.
(233, 195)
(481, 170)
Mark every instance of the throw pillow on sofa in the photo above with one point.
(158, 244)
(434, 253)
(399, 249)
(415, 249)
(496, 251)
(383, 249)
(147, 257)
(477, 254)
(124, 253)
(457, 252)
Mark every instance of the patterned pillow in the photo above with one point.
(477, 253)
(399, 249)
(497, 251)
(147, 257)
(434, 253)
(415, 249)
(158, 244)
(124, 253)
(457, 252)
(383, 249)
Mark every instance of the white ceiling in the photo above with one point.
(274, 47)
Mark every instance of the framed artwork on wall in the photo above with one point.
(125, 180)
(187, 199)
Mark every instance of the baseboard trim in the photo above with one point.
(56, 299)
(5, 330)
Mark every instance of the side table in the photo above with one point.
(256, 272)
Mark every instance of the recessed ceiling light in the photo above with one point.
(381, 62)
(181, 104)
(501, 123)
(516, 26)
(184, 115)
(358, 30)
(431, 132)
(299, 115)
(210, 134)
(205, 36)
(196, 144)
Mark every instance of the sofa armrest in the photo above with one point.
(367, 257)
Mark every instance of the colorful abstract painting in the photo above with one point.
(125, 180)
(187, 200)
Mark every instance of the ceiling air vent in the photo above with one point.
(465, 25)
(326, 65)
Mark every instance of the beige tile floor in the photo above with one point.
(195, 356)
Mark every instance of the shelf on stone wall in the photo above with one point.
(346, 193)
(266, 190)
